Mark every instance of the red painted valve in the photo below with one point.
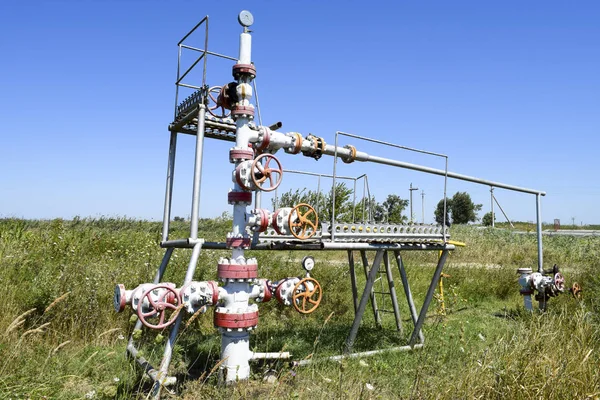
(214, 109)
(261, 172)
(168, 301)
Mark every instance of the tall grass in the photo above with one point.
(60, 338)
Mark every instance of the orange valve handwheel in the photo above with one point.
(303, 221)
(576, 290)
(261, 172)
(307, 295)
(167, 301)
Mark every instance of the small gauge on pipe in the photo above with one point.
(245, 18)
(308, 263)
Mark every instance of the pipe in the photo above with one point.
(538, 211)
(356, 355)
(267, 356)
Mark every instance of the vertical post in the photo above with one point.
(353, 280)
(333, 190)
(392, 287)
(363, 255)
(169, 186)
(363, 301)
(318, 194)
(364, 201)
(492, 202)
(354, 202)
(429, 296)
(197, 171)
(538, 209)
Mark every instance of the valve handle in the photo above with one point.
(264, 172)
(160, 306)
(213, 110)
(301, 226)
(576, 290)
(313, 296)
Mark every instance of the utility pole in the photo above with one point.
(411, 189)
(573, 219)
(422, 207)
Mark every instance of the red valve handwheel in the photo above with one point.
(214, 109)
(303, 221)
(559, 281)
(300, 298)
(264, 172)
(169, 299)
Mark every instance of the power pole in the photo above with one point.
(422, 207)
(411, 189)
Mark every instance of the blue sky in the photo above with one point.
(510, 91)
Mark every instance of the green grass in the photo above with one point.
(485, 347)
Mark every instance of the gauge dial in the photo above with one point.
(245, 18)
(308, 263)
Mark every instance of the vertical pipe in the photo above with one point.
(492, 202)
(353, 280)
(408, 293)
(168, 353)
(363, 301)
(429, 296)
(538, 211)
(169, 186)
(197, 172)
(392, 287)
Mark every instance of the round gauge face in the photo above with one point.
(308, 263)
(245, 18)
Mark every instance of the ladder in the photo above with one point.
(382, 292)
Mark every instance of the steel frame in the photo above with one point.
(197, 122)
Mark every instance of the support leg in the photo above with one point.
(376, 315)
(429, 296)
(353, 280)
(390, 278)
(407, 292)
(363, 300)
(169, 188)
(164, 365)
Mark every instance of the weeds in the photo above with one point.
(69, 269)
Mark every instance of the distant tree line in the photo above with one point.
(460, 209)
(346, 210)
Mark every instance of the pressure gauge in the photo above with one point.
(245, 18)
(308, 263)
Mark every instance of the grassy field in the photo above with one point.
(60, 338)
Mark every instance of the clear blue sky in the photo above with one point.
(509, 90)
